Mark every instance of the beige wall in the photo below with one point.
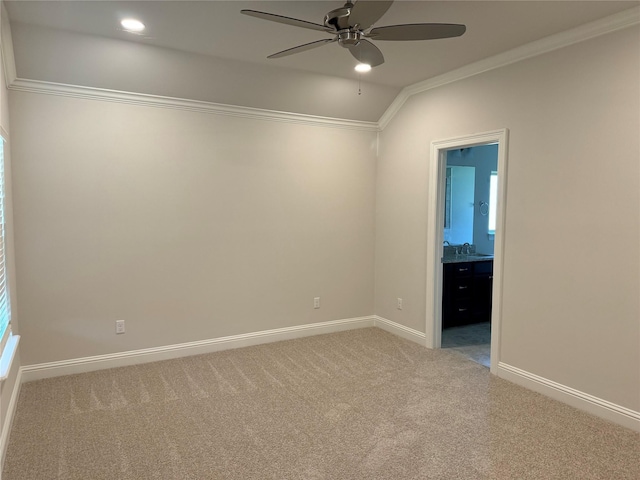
(187, 225)
(571, 262)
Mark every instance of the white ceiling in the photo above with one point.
(218, 30)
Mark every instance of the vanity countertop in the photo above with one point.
(466, 258)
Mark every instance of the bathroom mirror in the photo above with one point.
(459, 204)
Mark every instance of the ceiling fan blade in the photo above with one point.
(367, 12)
(302, 48)
(417, 31)
(367, 52)
(287, 20)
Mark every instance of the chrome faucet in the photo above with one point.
(446, 242)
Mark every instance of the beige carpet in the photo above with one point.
(362, 404)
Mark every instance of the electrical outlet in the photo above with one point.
(316, 302)
(399, 303)
(119, 326)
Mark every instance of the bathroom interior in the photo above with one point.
(467, 254)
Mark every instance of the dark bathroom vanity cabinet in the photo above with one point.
(466, 292)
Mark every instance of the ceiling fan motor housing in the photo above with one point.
(349, 38)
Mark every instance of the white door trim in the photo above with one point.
(435, 235)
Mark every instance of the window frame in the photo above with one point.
(492, 216)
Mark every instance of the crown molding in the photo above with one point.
(6, 46)
(612, 23)
(590, 30)
(106, 95)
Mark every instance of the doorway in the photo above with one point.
(436, 234)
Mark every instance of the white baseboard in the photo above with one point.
(8, 419)
(583, 401)
(400, 330)
(167, 352)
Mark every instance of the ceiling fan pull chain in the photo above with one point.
(359, 84)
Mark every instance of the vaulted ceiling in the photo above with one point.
(207, 50)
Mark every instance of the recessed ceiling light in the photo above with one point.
(132, 25)
(363, 67)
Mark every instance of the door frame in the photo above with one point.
(435, 235)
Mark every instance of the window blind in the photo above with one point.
(5, 310)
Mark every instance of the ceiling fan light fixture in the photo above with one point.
(132, 25)
(363, 68)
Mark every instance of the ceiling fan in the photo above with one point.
(351, 26)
